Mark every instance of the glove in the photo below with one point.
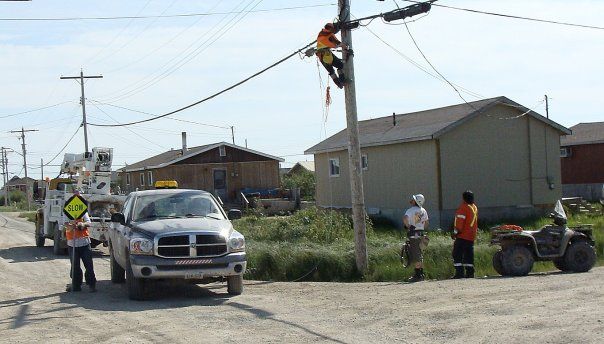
(81, 225)
(454, 234)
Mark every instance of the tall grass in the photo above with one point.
(318, 245)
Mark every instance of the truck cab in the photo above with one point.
(177, 234)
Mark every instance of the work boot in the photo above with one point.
(336, 80)
(469, 272)
(70, 288)
(417, 277)
(342, 77)
(92, 288)
(458, 272)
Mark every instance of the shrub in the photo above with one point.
(305, 180)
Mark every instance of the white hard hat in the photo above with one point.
(419, 199)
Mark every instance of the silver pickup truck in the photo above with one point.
(175, 234)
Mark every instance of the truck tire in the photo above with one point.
(517, 261)
(560, 264)
(137, 287)
(39, 234)
(497, 263)
(235, 285)
(118, 274)
(580, 256)
(56, 245)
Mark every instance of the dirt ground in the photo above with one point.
(542, 308)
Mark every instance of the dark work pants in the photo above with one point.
(83, 253)
(463, 257)
(336, 63)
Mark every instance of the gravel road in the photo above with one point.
(541, 308)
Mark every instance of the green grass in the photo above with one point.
(317, 245)
(29, 215)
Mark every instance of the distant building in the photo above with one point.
(504, 152)
(16, 183)
(221, 168)
(308, 166)
(582, 155)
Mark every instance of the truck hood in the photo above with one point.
(205, 224)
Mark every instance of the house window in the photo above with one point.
(127, 178)
(565, 152)
(334, 167)
(142, 180)
(222, 150)
(150, 178)
(364, 162)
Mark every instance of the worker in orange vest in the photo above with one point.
(326, 40)
(78, 243)
(464, 234)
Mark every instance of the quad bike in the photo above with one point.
(571, 249)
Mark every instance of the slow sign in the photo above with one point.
(75, 207)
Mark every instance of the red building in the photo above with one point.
(582, 155)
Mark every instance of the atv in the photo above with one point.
(571, 249)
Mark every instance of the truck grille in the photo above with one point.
(185, 246)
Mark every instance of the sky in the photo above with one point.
(156, 65)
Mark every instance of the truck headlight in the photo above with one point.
(141, 246)
(237, 243)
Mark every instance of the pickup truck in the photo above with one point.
(175, 234)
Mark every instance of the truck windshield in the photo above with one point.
(185, 204)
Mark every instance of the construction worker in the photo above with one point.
(78, 242)
(416, 222)
(325, 42)
(464, 234)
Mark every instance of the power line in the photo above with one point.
(34, 110)
(190, 56)
(62, 149)
(213, 95)
(509, 16)
(182, 15)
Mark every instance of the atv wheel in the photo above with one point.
(517, 261)
(560, 264)
(497, 263)
(580, 257)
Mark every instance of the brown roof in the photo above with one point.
(175, 155)
(584, 133)
(416, 126)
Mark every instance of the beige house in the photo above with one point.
(507, 154)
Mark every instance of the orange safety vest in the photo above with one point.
(325, 41)
(70, 229)
(466, 221)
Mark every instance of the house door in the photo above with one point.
(220, 184)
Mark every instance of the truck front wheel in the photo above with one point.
(235, 285)
(118, 274)
(137, 287)
(39, 234)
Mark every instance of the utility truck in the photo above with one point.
(90, 174)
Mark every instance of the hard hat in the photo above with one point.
(332, 27)
(419, 200)
(468, 197)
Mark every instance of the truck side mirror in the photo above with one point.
(234, 214)
(119, 218)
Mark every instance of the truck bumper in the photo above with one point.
(188, 268)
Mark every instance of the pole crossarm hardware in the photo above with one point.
(83, 100)
(399, 13)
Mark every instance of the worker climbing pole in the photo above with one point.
(327, 40)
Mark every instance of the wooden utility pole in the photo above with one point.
(23, 131)
(546, 106)
(233, 133)
(83, 101)
(354, 146)
(4, 174)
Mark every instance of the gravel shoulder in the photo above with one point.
(544, 308)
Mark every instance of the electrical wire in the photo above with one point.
(167, 68)
(168, 117)
(62, 149)
(182, 15)
(509, 16)
(211, 96)
(34, 110)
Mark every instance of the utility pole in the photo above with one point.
(233, 133)
(354, 146)
(41, 168)
(546, 106)
(4, 175)
(23, 131)
(83, 101)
